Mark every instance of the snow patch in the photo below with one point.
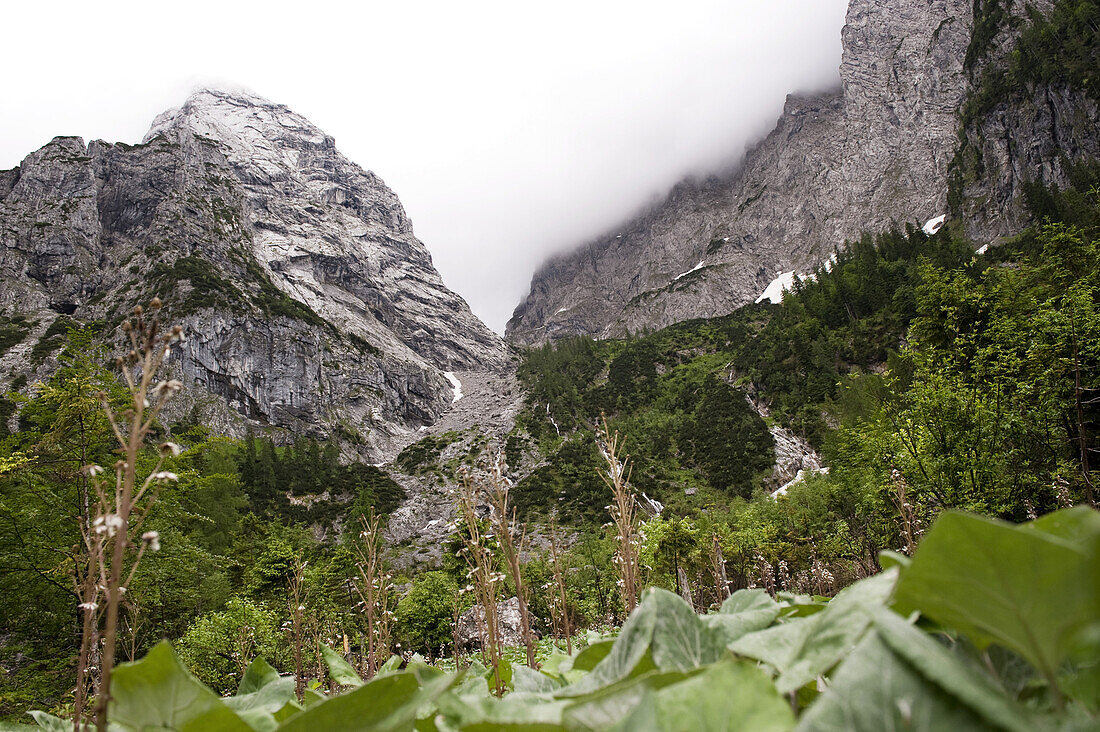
(561, 310)
(775, 289)
(450, 376)
(696, 268)
(982, 249)
(931, 226)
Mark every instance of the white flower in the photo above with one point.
(170, 448)
(88, 606)
(165, 389)
(108, 524)
(152, 538)
(164, 475)
(91, 470)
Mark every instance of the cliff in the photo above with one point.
(308, 302)
(881, 151)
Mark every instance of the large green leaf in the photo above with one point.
(628, 655)
(745, 611)
(802, 649)
(681, 640)
(531, 681)
(875, 690)
(1031, 588)
(157, 692)
(938, 665)
(515, 711)
(341, 671)
(264, 708)
(392, 665)
(610, 705)
(588, 657)
(258, 675)
(45, 721)
(727, 696)
(388, 702)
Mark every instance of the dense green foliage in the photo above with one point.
(679, 394)
(992, 407)
(425, 613)
(987, 653)
(274, 477)
(929, 377)
(231, 529)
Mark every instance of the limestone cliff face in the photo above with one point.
(876, 152)
(308, 302)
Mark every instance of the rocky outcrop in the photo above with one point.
(510, 626)
(876, 153)
(1034, 135)
(308, 302)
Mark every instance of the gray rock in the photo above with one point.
(308, 302)
(508, 620)
(486, 413)
(873, 154)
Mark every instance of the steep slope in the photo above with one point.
(877, 152)
(309, 303)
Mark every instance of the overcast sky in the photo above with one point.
(510, 130)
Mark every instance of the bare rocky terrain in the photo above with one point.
(309, 304)
(479, 420)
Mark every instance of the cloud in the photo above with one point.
(509, 130)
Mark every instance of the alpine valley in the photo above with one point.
(852, 360)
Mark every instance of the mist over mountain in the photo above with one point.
(914, 134)
(512, 132)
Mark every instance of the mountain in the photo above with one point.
(308, 302)
(912, 134)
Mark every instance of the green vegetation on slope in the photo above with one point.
(680, 394)
(988, 652)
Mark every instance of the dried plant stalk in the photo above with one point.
(504, 521)
(294, 601)
(113, 543)
(375, 590)
(718, 566)
(484, 579)
(910, 522)
(559, 580)
(617, 478)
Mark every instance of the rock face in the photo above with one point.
(875, 153)
(308, 302)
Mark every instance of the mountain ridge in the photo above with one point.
(311, 305)
(875, 154)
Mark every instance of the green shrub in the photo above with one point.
(218, 646)
(424, 615)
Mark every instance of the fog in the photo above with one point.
(510, 130)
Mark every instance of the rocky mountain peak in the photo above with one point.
(309, 302)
